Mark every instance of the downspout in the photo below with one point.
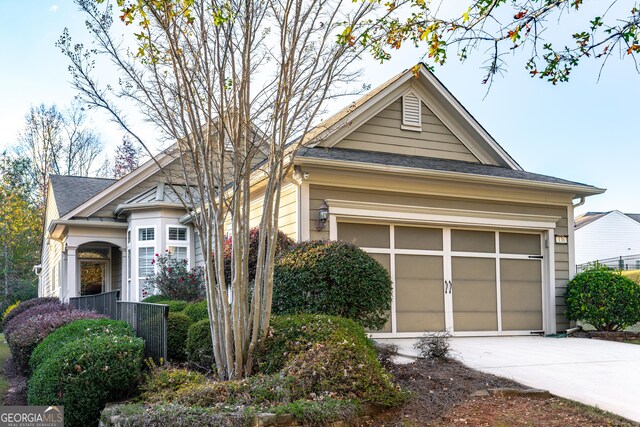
(580, 203)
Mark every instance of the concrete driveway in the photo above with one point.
(599, 373)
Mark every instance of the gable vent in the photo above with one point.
(411, 112)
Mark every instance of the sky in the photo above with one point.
(584, 130)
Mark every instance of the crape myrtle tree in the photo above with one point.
(496, 28)
(237, 85)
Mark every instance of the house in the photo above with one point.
(602, 235)
(473, 243)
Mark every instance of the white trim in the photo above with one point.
(305, 208)
(499, 284)
(392, 272)
(180, 243)
(442, 217)
(447, 275)
(550, 325)
(381, 335)
(572, 241)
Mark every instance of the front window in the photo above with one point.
(146, 234)
(178, 234)
(178, 243)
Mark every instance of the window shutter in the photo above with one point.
(411, 112)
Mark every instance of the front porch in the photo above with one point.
(94, 268)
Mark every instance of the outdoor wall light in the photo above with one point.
(323, 215)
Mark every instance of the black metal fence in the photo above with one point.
(149, 321)
(627, 262)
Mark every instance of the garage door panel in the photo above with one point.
(364, 235)
(521, 294)
(418, 238)
(473, 241)
(419, 293)
(474, 294)
(385, 260)
(520, 243)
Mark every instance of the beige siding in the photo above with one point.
(288, 213)
(320, 193)
(383, 133)
(51, 253)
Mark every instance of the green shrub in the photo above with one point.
(197, 311)
(327, 356)
(290, 335)
(334, 278)
(167, 380)
(9, 308)
(83, 375)
(604, 299)
(175, 305)
(156, 299)
(199, 346)
(177, 330)
(80, 329)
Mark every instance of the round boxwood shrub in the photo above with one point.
(83, 375)
(177, 330)
(80, 329)
(199, 345)
(333, 278)
(604, 299)
(197, 311)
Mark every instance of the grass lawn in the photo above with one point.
(4, 355)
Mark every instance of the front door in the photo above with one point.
(93, 277)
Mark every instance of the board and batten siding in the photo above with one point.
(612, 235)
(320, 193)
(383, 133)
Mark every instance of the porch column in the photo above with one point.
(124, 287)
(72, 277)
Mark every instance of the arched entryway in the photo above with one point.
(98, 268)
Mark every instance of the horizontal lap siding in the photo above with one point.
(383, 133)
(320, 193)
(288, 213)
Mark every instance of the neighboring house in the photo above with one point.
(473, 243)
(601, 235)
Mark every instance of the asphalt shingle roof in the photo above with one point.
(428, 163)
(72, 191)
(589, 217)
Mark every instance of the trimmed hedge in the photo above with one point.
(197, 311)
(80, 329)
(175, 305)
(156, 299)
(18, 321)
(199, 346)
(177, 331)
(333, 278)
(25, 306)
(33, 330)
(604, 299)
(83, 375)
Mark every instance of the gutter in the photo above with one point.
(125, 207)
(580, 203)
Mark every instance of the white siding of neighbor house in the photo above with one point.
(612, 235)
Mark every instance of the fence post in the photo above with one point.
(621, 263)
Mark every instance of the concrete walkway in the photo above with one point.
(599, 373)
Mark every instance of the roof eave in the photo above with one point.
(128, 207)
(578, 190)
(57, 227)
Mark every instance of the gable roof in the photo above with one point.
(69, 192)
(589, 217)
(437, 165)
(473, 135)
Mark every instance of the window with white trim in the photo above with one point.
(178, 243)
(146, 234)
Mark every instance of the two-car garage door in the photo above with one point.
(465, 281)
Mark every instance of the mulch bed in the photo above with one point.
(442, 396)
(17, 393)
